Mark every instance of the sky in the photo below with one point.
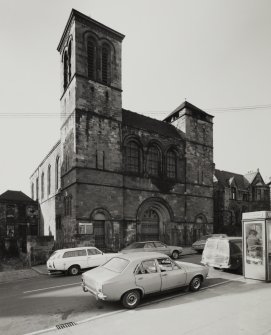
(216, 54)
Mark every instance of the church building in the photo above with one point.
(116, 176)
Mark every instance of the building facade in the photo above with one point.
(117, 176)
(235, 194)
(19, 217)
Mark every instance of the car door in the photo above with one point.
(75, 257)
(171, 275)
(161, 247)
(148, 277)
(95, 257)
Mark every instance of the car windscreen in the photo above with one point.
(135, 245)
(116, 264)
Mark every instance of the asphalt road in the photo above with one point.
(35, 304)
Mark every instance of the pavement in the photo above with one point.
(231, 305)
(36, 271)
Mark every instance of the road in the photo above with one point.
(35, 304)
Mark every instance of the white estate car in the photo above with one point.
(73, 260)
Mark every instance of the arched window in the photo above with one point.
(66, 70)
(37, 188)
(67, 66)
(91, 56)
(233, 193)
(133, 157)
(153, 164)
(69, 61)
(42, 185)
(49, 180)
(57, 174)
(32, 191)
(171, 164)
(105, 64)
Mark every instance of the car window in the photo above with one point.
(116, 264)
(146, 267)
(75, 253)
(93, 252)
(149, 245)
(165, 264)
(236, 247)
(159, 245)
(135, 245)
(211, 244)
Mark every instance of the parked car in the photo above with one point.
(154, 246)
(73, 260)
(223, 253)
(129, 277)
(200, 243)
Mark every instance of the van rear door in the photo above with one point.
(209, 251)
(216, 253)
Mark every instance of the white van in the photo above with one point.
(223, 253)
(73, 260)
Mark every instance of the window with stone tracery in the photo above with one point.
(153, 165)
(171, 164)
(132, 157)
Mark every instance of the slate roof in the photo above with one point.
(15, 196)
(250, 176)
(225, 177)
(132, 119)
(191, 107)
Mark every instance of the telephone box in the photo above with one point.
(257, 245)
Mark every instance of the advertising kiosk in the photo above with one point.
(257, 245)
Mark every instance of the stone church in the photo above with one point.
(116, 176)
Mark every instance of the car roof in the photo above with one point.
(74, 249)
(145, 242)
(228, 238)
(140, 255)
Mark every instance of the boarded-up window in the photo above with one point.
(91, 55)
(105, 65)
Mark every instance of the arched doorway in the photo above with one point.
(150, 225)
(99, 230)
(102, 229)
(199, 228)
(154, 220)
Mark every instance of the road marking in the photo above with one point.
(93, 318)
(51, 287)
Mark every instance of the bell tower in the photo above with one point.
(91, 94)
(90, 67)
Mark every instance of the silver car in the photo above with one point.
(154, 246)
(129, 277)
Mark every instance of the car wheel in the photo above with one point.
(175, 254)
(74, 270)
(131, 299)
(195, 284)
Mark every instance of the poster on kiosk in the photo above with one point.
(257, 245)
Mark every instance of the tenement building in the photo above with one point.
(117, 176)
(235, 194)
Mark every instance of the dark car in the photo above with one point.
(154, 246)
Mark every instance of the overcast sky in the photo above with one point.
(214, 53)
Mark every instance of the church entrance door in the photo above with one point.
(150, 226)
